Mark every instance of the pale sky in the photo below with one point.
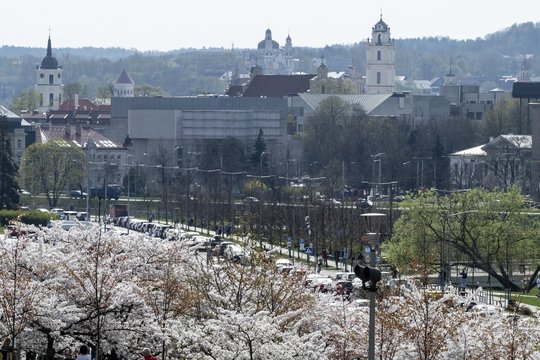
(174, 24)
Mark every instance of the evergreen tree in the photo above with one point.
(257, 158)
(9, 194)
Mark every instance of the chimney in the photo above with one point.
(76, 102)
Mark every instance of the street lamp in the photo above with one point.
(377, 158)
(370, 273)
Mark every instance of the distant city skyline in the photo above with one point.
(170, 25)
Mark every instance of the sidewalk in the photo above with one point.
(298, 258)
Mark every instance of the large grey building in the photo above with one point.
(186, 122)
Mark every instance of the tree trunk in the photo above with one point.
(50, 348)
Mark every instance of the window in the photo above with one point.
(379, 55)
(51, 99)
(379, 39)
(19, 143)
(378, 77)
(40, 99)
(51, 79)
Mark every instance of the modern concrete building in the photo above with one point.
(185, 123)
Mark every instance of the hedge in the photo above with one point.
(37, 218)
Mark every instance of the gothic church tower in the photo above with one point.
(380, 61)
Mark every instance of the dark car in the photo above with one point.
(77, 194)
(364, 204)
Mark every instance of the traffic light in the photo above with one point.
(368, 274)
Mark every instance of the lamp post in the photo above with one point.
(372, 221)
(377, 158)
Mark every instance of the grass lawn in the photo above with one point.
(529, 298)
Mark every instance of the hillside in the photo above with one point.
(193, 71)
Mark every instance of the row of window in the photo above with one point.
(51, 77)
(51, 99)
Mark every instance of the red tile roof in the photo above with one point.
(84, 104)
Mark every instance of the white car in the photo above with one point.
(234, 253)
(59, 212)
(283, 262)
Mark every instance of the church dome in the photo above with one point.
(380, 26)
(268, 37)
(49, 62)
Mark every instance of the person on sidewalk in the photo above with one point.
(538, 285)
(325, 257)
(148, 355)
(84, 353)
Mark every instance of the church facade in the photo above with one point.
(49, 84)
(273, 59)
(380, 61)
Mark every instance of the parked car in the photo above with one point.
(251, 199)
(321, 284)
(58, 212)
(221, 248)
(78, 194)
(364, 204)
(235, 253)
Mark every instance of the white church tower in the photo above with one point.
(49, 82)
(380, 61)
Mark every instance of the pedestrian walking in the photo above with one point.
(325, 257)
(538, 285)
(148, 355)
(84, 353)
(463, 285)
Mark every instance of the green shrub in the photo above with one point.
(8, 215)
(37, 218)
(26, 217)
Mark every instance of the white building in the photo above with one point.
(380, 61)
(503, 162)
(273, 59)
(49, 82)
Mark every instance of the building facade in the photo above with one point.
(503, 162)
(380, 61)
(273, 59)
(186, 123)
(49, 84)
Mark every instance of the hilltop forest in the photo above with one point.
(196, 71)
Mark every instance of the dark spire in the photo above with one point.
(49, 47)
